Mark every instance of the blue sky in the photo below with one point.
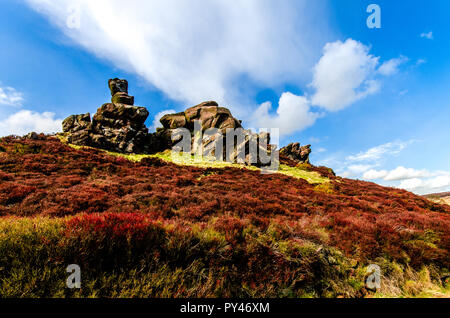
(373, 103)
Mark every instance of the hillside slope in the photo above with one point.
(152, 228)
(443, 198)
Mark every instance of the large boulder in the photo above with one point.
(78, 128)
(209, 113)
(76, 122)
(119, 92)
(173, 121)
(297, 153)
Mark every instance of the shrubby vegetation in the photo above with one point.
(153, 228)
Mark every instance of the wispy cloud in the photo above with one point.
(9, 96)
(428, 35)
(198, 50)
(419, 181)
(376, 153)
(356, 170)
(421, 61)
(365, 165)
(391, 66)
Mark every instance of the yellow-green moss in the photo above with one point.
(190, 160)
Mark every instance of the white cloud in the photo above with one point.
(320, 150)
(411, 184)
(156, 123)
(424, 186)
(378, 152)
(402, 173)
(197, 50)
(363, 165)
(391, 66)
(26, 121)
(440, 182)
(10, 96)
(347, 73)
(421, 61)
(355, 170)
(418, 181)
(373, 174)
(399, 173)
(200, 50)
(293, 114)
(342, 75)
(428, 35)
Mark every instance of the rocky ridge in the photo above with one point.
(119, 126)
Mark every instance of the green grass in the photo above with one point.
(296, 172)
(190, 160)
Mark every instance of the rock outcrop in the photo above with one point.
(79, 128)
(297, 153)
(210, 115)
(117, 126)
(120, 126)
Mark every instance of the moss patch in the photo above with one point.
(189, 160)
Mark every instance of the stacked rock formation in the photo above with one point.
(117, 126)
(297, 153)
(120, 126)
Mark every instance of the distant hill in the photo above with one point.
(143, 226)
(443, 197)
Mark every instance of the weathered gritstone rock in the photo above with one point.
(119, 126)
(296, 152)
(79, 128)
(210, 115)
(119, 92)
